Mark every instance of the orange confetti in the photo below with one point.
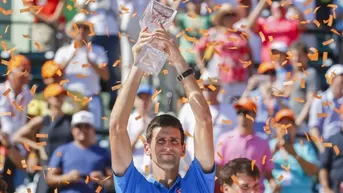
(228, 122)
(322, 115)
(220, 144)
(18, 107)
(221, 157)
(117, 87)
(155, 94)
(69, 7)
(234, 179)
(188, 134)
(280, 178)
(335, 31)
(303, 81)
(190, 39)
(253, 162)
(98, 189)
(27, 147)
(42, 135)
(157, 105)
(285, 168)
(146, 169)
(26, 36)
(264, 159)
(37, 45)
(6, 92)
(134, 15)
(141, 137)
(8, 172)
(138, 117)
(33, 90)
(208, 9)
(165, 72)
(104, 118)
(316, 9)
(263, 38)
(37, 168)
(336, 149)
(300, 100)
(123, 8)
(25, 10)
(307, 11)
(43, 143)
(116, 63)
(211, 87)
(327, 144)
(316, 22)
(23, 163)
(59, 154)
(5, 114)
(327, 42)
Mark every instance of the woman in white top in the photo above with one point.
(83, 66)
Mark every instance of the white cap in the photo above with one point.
(336, 69)
(279, 46)
(83, 117)
(79, 18)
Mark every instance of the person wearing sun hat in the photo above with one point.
(245, 135)
(293, 150)
(18, 76)
(38, 106)
(56, 125)
(84, 65)
(329, 124)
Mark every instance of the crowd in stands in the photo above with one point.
(276, 128)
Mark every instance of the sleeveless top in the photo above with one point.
(59, 133)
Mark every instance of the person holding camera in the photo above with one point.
(297, 161)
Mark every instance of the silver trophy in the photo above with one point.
(152, 57)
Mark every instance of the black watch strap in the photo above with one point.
(185, 74)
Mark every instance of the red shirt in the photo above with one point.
(281, 29)
(49, 7)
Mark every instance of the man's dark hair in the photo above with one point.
(238, 166)
(300, 46)
(164, 120)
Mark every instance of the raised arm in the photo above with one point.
(121, 151)
(203, 134)
(253, 16)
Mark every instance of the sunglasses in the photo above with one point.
(270, 72)
(83, 125)
(244, 112)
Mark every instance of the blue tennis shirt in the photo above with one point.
(195, 181)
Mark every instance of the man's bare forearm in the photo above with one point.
(324, 178)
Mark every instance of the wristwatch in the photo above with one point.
(185, 74)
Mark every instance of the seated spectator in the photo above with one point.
(136, 127)
(83, 66)
(38, 106)
(224, 61)
(242, 142)
(294, 158)
(83, 164)
(330, 174)
(324, 120)
(305, 86)
(224, 117)
(56, 126)
(278, 27)
(10, 161)
(260, 90)
(246, 175)
(15, 95)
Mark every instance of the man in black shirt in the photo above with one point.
(331, 172)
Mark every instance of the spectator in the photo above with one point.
(305, 86)
(136, 127)
(165, 137)
(3, 186)
(38, 106)
(323, 119)
(198, 23)
(82, 66)
(82, 163)
(106, 28)
(10, 161)
(224, 117)
(271, 27)
(18, 95)
(283, 66)
(251, 146)
(267, 103)
(49, 21)
(56, 126)
(331, 174)
(290, 152)
(226, 64)
(245, 172)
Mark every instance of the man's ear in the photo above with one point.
(147, 149)
(184, 149)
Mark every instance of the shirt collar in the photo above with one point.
(176, 183)
(245, 137)
(11, 94)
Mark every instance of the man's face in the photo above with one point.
(83, 33)
(246, 118)
(20, 75)
(143, 102)
(246, 184)
(165, 149)
(299, 57)
(281, 56)
(83, 132)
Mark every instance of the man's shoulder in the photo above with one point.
(97, 49)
